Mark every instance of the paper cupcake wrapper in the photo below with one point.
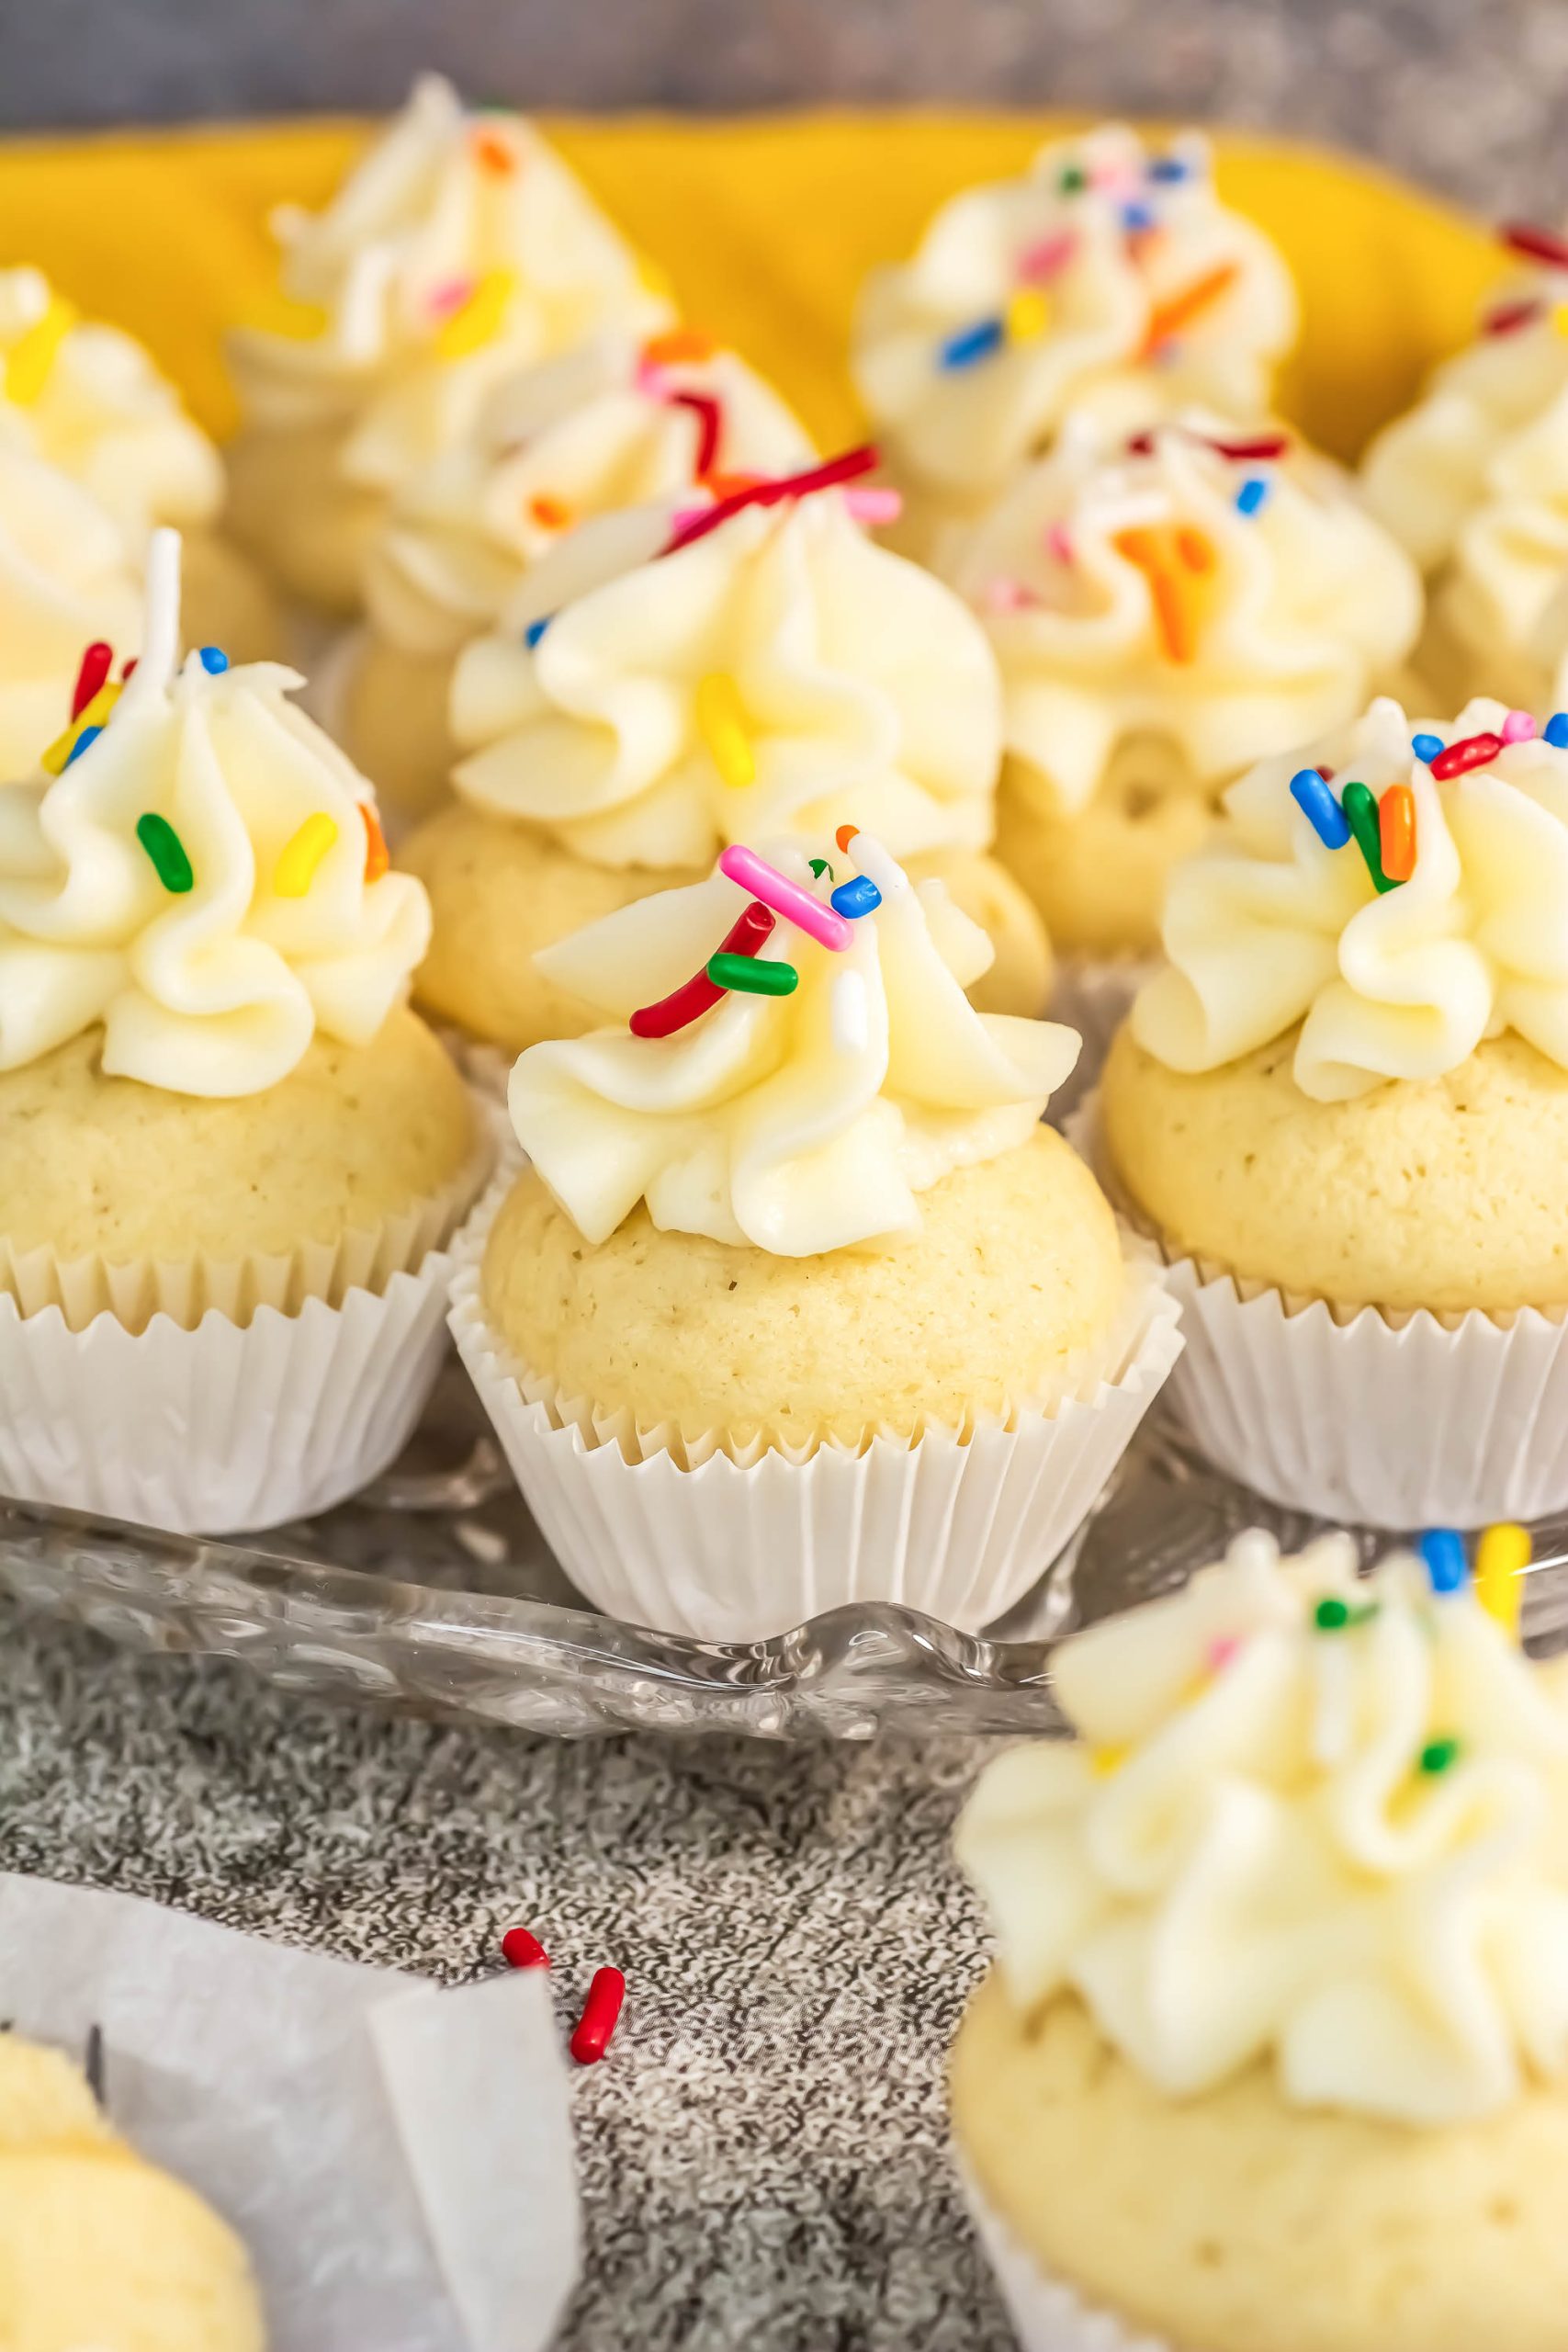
(1092, 997)
(488, 1067)
(1047, 2314)
(687, 1537)
(1367, 1418)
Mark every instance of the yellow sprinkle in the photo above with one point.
(478, 320)
(1104, 1761)
(1027, 315)
(1560, 317)
(721, 721)
(1501, 1558)
(32, 355)
(92, 715)
(296, 869)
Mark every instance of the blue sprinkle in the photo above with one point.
(534, 632)
(859, 896)
(1427, 747)
(89, 735)
(1252, 493)
(1313, 797)
(1137, 216)
(1555, 731)
(1443, 1552)
(214, 660)
(1167, 167)
(961, 350)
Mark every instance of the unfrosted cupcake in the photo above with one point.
(616, 422)
(665, 683)
(796, 1301)
(232, 1156)
(1342, 1108)
(1165, 608)
(1107, 277)
(85, 398)
(1274, 2057)
(460, 249)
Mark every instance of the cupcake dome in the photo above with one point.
(1108, 275)
(460, 249)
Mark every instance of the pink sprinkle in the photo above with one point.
(684, 516)
(1518, 727)
(1221, 1652)
(876, 505)
(651, 378)
(785, 898)
(1043, 259)
(1008, 596)
(450, 297)
(1058, 543)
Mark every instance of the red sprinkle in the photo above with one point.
(848, 467)
(590, 2037)
(1260, 446)
(96, 664)
(699, 994)
(1141, 445)
(1537, 244)
(710, 417)
(520, 1950)
(1472, 751)
(1511, 318)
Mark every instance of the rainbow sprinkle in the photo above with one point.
(1502, 1557)
(168, 852)
(1426, 748)
(33, 354)
(1360, 806)
(1555, 731)
(1437, 1755)
(751, 976)
(1396, 832)
(721, 722)
(785, 898)
(213, 659)
(1313, 797)
(1254, 490)
(1442, 1555)
(479, 319)
(970, 343)
(296, 868)
(859, 896)
(534, 632)
(377, 859)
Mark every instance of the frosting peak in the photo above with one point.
(807, 1107)
(1309, 1819)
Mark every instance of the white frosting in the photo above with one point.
(965, 429)
(863, 688)
(1270, 927)
(88, 398)
(218, 990)
(1244, 1861)
(445, 204)
(604, 426)
(1285, 619)
(64, 579)
(798, 1124)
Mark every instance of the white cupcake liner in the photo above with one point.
(1047, 2314)
(1092, 996)
(1357, 1415)
(487, 1067)
(687, 1537)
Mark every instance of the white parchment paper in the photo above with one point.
(397, 2158)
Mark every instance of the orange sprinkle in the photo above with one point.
(1396, 832)
(1196, 549)
(676, 343)
(1155, 555)
(845, 835)
(550, 514)
(726, 485)
(494, 153)
(1177, 311)
(376, 859)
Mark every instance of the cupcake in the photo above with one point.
(1108, 277)
(616, 422)
(1165, 608)
(667, 684)
(1474, 482)
(460, 249)
(1274, 2056)
(796, 1302)
(1341, 1107)
(86, 399)
(232, 1156)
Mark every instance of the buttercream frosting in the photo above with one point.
(779, 674)
(799, 1123)
(1339, 1847)
(1107, 274)
(64, 579)
(1205, 595)
(203, 877)
(1269, 926)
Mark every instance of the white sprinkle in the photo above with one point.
(849, 1013)
(875, 861)
(161, 618)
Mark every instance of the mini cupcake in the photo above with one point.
(796, 1301)
(613, 424)
(667, 684)
(1274, 2057)
(461, 249)
(1164, 609)
(87, 399)
(232, 1157)
(1342, 1109)
(1106, 278)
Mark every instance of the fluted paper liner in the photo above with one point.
(737, 1545)
(1047, 2314)
(1355, 1414)
(230, 1395)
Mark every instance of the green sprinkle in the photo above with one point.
(1331, 1616)
(1360, 807)
(1072, 181)
(168, 852)
(1365, 1613)
(750, 975)
(820, 866)
(1439, 1754)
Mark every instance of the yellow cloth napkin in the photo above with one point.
(765, 227)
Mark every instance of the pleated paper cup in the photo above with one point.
(1359, 1415)
(487, 1067)
(1092, 996)
(1047, 2314)
(741, 1544)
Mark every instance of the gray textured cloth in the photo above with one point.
(762, 2154)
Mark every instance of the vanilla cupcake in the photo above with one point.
(667, 684)
(796, 1303)
(1165, 608)
(1342, 1109)
(459, 250)
(86, 399)
(1107, 277)
(232, 1156)
(1274, 2057)
(617, 422)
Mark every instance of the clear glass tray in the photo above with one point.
(433, 1593)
